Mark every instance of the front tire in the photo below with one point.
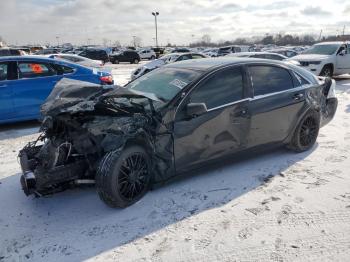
(123, 177)
(136, 61)
(327, 71)
(305, 135)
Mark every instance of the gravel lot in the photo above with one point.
(277, 206)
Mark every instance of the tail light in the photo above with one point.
(107, 80)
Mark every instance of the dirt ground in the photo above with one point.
(275, 206)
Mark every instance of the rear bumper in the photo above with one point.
(329, 111)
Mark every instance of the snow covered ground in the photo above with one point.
(276, 206)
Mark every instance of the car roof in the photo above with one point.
(40, 58)
(254, 53)
(206, 64)
(24, 58)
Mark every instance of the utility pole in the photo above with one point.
(319, 38)
(155, 14)
(134, 36)
(344, 30)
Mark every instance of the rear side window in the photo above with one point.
(299, 80)
(222, 88)
(33, 70)
(270, 79)
(197, 56)
(184, 57)
(61, 69)
(4, 52)
(3, 71)
(259, 56)
(273, 57)
(15, 52)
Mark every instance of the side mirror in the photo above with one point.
(342, 52)
(196, 109)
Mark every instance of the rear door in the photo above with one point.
(6, 92)
(222, 129)
(35, 82)
(276, 104)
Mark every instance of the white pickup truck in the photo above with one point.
(326, 59)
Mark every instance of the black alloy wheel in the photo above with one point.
(305, 134)
(124, 176)
(133, 174)
(308, 131)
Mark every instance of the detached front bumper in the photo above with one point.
(28, 180)
(40, 181)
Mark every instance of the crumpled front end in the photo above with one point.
(77, 131)
(70, 149)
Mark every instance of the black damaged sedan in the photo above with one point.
(170, 121)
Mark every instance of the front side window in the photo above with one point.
(33, 70)
(222, 88)
(3, 71)
(269, 79)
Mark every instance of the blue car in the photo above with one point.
(26, 81)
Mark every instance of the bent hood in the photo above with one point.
(77, 96)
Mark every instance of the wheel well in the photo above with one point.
(331, 65)
(140, 142)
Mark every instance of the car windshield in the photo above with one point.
(164, 83)
(322, 49)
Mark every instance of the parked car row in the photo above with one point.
(167, 59)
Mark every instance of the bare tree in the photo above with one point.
(117, 44)
(206, 39)
(137, 41)
(2, 41)
(105, 41)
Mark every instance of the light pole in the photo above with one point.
(58, 40)
(155, 14)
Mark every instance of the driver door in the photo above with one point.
(219, 131)
(343, 60)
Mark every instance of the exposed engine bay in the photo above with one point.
(80, 126)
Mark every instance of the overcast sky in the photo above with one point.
(180, 21)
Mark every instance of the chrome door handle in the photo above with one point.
(3, 85)
(298, 96)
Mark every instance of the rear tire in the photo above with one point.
(123, 177)
(327, 71)
(136, 61)
(305, 135)
(153, 57)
